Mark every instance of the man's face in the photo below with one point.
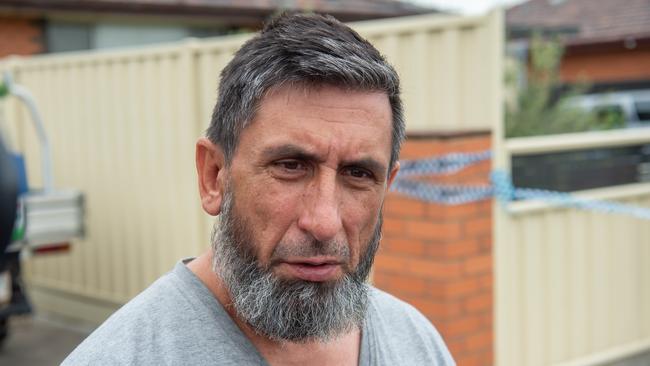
(301, 212)
(313, 168)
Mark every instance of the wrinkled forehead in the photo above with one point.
(323, 119)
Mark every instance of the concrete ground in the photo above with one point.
(638, 360)
(35, 342)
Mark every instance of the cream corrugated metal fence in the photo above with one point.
(572, 287)
(123, 125)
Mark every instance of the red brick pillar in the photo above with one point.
(439, 257)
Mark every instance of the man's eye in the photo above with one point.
(358, 173)
(289, 169)
(291, 165)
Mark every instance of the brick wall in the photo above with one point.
(20, 36)
(613, 66)
(439, 258)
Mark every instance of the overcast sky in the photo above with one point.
(466, 6)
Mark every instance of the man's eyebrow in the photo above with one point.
(289, 151)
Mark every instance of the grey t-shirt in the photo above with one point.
(177, 321)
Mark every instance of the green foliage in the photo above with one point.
(537, 112)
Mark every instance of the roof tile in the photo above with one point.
(593, 19)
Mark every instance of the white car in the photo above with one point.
(633, 105)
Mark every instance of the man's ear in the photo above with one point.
(210, 167)
(392, 175)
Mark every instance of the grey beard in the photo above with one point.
(289, 310)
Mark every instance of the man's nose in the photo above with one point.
(320, 215)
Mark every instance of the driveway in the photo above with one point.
(35, 342)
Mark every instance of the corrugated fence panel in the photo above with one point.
(577, 283)
(123, 128)
(442, 65)
(123, 125)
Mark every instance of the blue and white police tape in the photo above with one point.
(439, 193)
(505, 192)
(444, 164)
(502, 187)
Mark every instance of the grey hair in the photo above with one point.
(300, 49)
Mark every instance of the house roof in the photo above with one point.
(587, 21)
(232, 11)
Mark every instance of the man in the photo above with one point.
(302, 147)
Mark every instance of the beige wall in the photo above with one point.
(123, 126)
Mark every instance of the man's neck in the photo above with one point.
(343, 350)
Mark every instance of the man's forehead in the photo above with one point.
(315, 123)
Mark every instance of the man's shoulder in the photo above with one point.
(400, 330)
(130, 326)
(173, 319)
